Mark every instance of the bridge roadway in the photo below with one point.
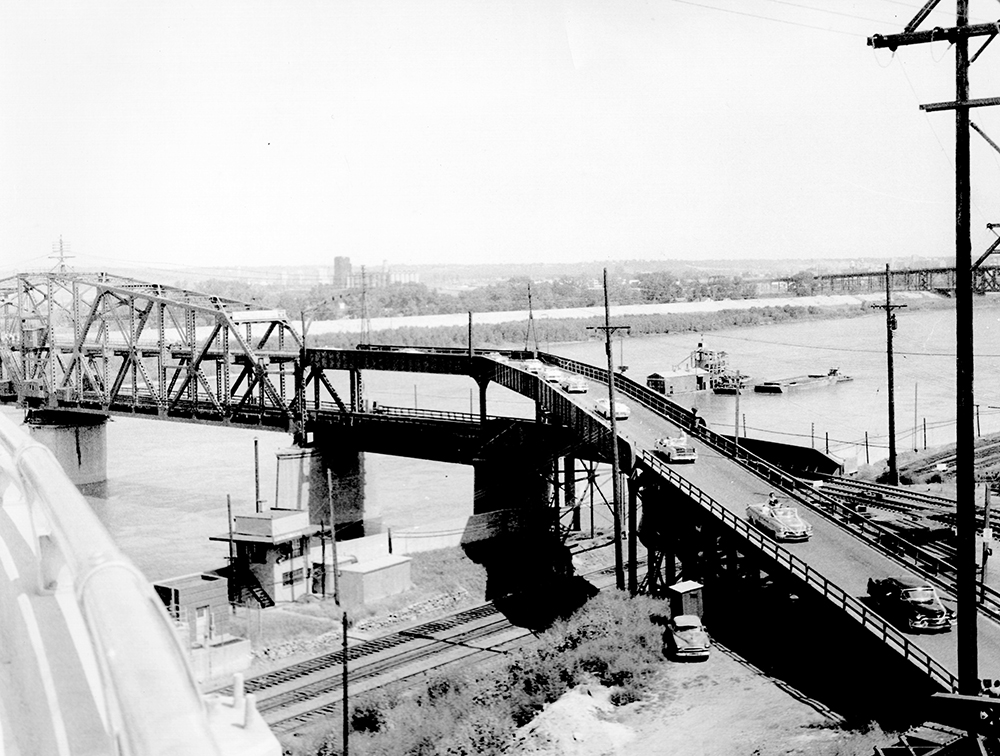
(837, 561)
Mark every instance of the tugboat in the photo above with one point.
(730, 383)
(722, 379)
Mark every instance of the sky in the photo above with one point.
(178, 135)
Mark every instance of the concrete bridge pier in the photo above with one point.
(301, 483)
(79, 441)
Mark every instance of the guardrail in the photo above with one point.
(876, 535)
(887, 633)
(143, 687)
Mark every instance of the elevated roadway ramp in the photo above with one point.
(837, 561)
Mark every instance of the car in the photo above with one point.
(534, 366)
(782, 522)
(574, 384)
(676, 449)
(603, 408)
(911, 603)
(687, 639)
(496, 356)
(552, 375)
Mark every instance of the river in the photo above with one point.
(168, 482)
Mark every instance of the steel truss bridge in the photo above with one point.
(985, 279)
(109, 345)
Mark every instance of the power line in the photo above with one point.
(769, 18)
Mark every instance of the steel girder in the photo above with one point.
(105, 343)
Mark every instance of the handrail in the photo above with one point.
(149, 698)
(889, 635)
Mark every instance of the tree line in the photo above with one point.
(328, 302)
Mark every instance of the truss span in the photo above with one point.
(105, 343)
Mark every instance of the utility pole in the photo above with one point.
(965, 473)
(366, 326)
(609, 329)
(532, 333)
(890, 326)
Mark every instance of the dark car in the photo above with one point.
(911, 603)
(686, 638)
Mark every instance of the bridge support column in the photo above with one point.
(301, 483)
(569, 485)
(78, 440)
(483, 385)
(357, 391)
(508, 484)
(632, 524)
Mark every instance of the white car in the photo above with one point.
(676, 449)
(781, 522)
(574, 384)
(603, 408)
(552, 375)
(534, 366)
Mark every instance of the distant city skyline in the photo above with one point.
(198, 135)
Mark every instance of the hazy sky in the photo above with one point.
(216, 133)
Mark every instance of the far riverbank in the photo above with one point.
(506, 329)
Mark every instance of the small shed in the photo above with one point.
(365, 582)
(672, 382)
(686, 598)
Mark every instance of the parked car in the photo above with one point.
(686, 638)
(552, 375)
(574, 384)
(603, 408)
(781, 522)
(676, 449)
(910, 602)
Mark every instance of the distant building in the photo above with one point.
(341, 271)
(378, 279)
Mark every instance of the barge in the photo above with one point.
(801, 381)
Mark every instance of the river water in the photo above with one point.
(168, 482)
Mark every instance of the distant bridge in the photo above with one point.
(985, 279)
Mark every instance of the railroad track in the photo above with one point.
(876, 495)
(295, 696)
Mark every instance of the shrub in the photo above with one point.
(613, 639)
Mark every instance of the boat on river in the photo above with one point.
(813, 380)
(728, 384)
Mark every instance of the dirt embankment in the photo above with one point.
(935, 467)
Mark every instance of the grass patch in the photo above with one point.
(612, 639)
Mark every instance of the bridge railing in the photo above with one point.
(874, 533)
(148, 698)
(800, 569)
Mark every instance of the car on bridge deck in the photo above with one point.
(552, 375)
(534, 366)
(910, 602)
(687, 639)
(676, 449)
(603, 408)
(781, 522)
(574, 384)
